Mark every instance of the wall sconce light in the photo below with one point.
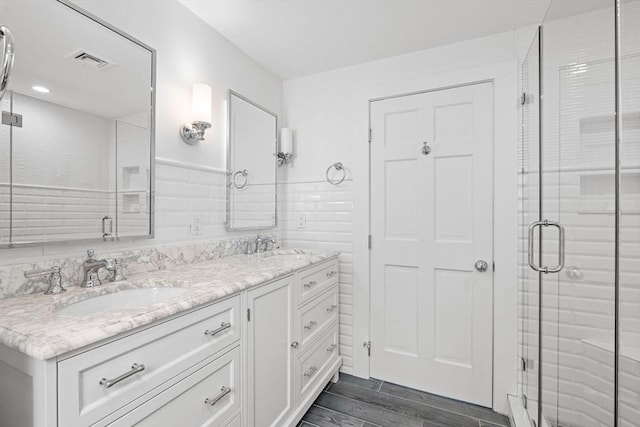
(201, 112)
(286, 146)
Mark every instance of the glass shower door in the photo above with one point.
(529, 199)
(629, 251)
(578, 176)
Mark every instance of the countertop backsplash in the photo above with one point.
(138, 260)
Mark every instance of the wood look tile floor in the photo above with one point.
(357, 402)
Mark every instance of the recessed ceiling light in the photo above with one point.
(41, 89)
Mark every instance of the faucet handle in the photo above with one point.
(117, 274)
(55, 279)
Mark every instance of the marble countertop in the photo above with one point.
(35, 326)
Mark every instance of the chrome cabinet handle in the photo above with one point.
(223, 326)
(426, 149)
(223, 392)
(7, 59)
(332, 347)
(532, 264)
(295, 344)
(311, 324)
(332, 307)
(331, 273)
(310, 284)
(312, 370)
(135, 369)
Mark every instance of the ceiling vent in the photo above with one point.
(90, 59)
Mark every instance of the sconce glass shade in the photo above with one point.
(201, 103)
(286, 146)
(201, 112)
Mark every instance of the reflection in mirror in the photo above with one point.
(78, 165)
(251, 182)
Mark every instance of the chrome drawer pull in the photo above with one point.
(332, 347)
(135, 368)
(332, 307)
(331, 273)
(223, 392)
(310, 284)
(311, 324)
(312, 370)
(223, 326)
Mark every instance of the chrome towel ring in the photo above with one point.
(245, 174)
(7, 58)
(338, 166)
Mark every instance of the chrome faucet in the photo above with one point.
(90, 268)
(260, 241)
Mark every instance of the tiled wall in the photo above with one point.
(319, 215)
(184, 193)
(54, 213)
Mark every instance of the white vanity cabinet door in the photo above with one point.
(269, 332)
(165, 350)
(208, 397)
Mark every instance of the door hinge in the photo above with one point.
(493, 266)
(367, 345)
(527, 364)
(248, 315)
(369, 244)
(11, 119)
(370, 134)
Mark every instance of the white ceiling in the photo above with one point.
(294, 38)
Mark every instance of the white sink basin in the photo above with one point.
(121, 299)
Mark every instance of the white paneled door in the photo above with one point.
(432, 237)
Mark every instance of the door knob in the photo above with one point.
(481, 265)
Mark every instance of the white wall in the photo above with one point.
(188, 51)
(329, 114)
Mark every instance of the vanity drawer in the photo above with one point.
(315, 362)
(313, 318)
(316, 280)
(100, 381)
(208, 397)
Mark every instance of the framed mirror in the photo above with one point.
(251, 165)
(77, 139)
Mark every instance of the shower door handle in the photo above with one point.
(532, 264)
(7, 58)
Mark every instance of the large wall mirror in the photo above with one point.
(77, 139)
(251, 182)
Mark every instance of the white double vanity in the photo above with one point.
(246, 340)
(209, 337)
